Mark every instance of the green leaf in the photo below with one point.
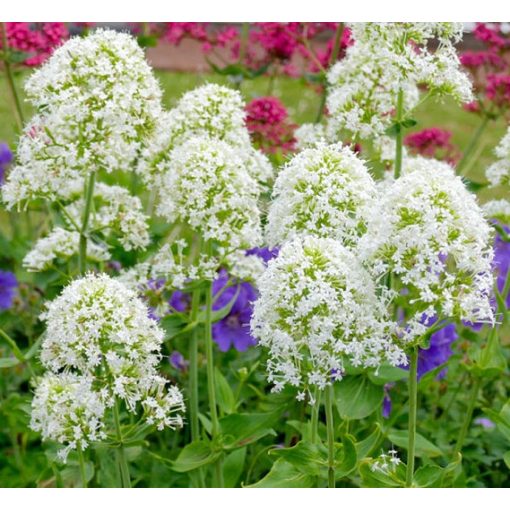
(306, 457)
(349, 458)
(147, 41)
(233, 467)
(224, 393)
(386, 374)
(173, 325)
(242, 429)
(473, 186)
(491, 360)
(357, 397)
(370, 443)
(195, 455)
(506, 458)
(34, 349)
(8, 362)
(423, 447)
(285, 475)
(427, 476)
(501, 419)
(376, 478)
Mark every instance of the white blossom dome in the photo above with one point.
(206, 186)
(429, 231)
(386, 58)
(498, 173)
(317, 308)
(97, 102)
(67, 409)
(322, 191)
(213, 111)
(97, 327)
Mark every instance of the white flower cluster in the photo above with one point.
(499, 172)
(428, 230)
(67, 409)
(99, 330)
(323, 191)
(386, 462)
(308, 135)
(317, 308)
(97, 103)
(60, 244)
(498, 210)
(207, 186)
(115, 210)
(211, 111)
(384, 59)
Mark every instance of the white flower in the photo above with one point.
(97, 103)
(115, 210)
(384, 59)
(60, 244)
(67, 409)
(207, 187)
(309, 135)
(212, 111)
(498, 210)
(429, 231)
(499, 172)
(318, 307)
(323, 191)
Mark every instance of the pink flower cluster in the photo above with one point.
(37, 40)
(269, 125)
(433, 142)
(490, 70)
(278, 45)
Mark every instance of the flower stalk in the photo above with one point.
(413, 399)
(330, 427)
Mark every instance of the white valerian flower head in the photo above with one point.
(67, 409)
(97, 103)
(428, 230)
(115, 210)
(384, 59)
(318, 307)
(499, 172)
(60, 244)
(212, 111)
(498, 210)
(309, 135)
(323, 191)
(207, 187)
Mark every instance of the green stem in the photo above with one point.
(467, 417)
(193, 369)
(89, 193)
(245, 32)
(413, 399)
(330, 427)
(314, 422)
(83, 473)
(18, 112)
(211, 385)
(472, 145)
(400, 134)
(121, 454)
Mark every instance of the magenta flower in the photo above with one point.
(433, 142)
(269, 126)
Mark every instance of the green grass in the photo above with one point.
(302, 103)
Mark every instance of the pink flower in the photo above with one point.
(433, 142)
(268, 123)
(498, 89)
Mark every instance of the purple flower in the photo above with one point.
(386, 405)
(234, 329)
(439, 351)
(264, 253)
(180, 301)
(8, 285)
(485, 423)
(502, 262)
(5, 160)
(178, 362)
